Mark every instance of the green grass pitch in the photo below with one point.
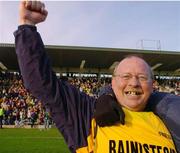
(32, 141)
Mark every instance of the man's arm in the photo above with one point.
(71, 110)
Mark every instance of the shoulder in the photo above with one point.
(162, 99)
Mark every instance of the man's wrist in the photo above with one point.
(26, 22)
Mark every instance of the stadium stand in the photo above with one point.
(95, 60)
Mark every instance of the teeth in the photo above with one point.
(133, 93)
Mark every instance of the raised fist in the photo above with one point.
(32, 12)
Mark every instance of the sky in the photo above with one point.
(150, 25)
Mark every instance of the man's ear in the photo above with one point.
(113, 82)
(154, 84)
(114, 86)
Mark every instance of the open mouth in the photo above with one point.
(133, 93)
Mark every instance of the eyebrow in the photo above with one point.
(132, 74)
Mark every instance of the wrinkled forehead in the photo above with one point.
(133, 65)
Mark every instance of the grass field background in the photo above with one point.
(32, 141)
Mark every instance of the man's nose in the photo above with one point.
(134, 81)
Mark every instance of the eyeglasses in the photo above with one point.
(128, 76)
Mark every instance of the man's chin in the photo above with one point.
(134, 105)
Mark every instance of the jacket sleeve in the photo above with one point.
(71, 109)
(167, 107)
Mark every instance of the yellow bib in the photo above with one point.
(143, 132)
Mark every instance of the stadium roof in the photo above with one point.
(93, 59)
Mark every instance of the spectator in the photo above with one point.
(1, 116)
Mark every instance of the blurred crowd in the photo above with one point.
(168, 85)
(21, 108)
